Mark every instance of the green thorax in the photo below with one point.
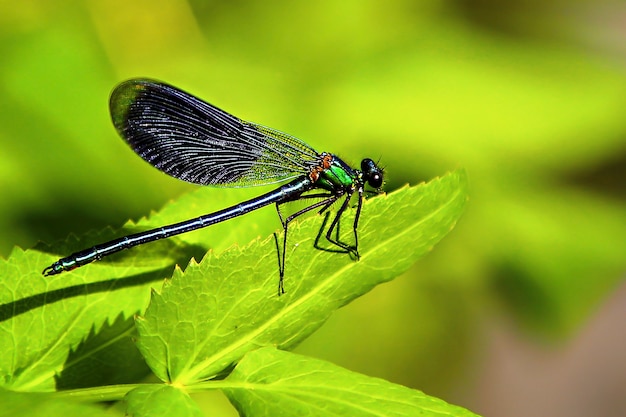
(338, 175)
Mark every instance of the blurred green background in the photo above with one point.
(528, 96)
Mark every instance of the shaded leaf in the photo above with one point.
(17, 404)
(106, 357)
(44, 319)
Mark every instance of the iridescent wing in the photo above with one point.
(194, 141)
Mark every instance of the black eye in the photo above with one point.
(375, 180)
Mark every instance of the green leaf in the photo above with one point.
(17, 404)
(160, 400)
(209, 316)
(51, 328)
(270, 382)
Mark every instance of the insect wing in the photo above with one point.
(194, 141)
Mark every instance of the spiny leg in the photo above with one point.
(281, 289)
(321, 232)
(355, 225)
(329, 200)
(334, 226)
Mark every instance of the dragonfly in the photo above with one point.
(192, 140)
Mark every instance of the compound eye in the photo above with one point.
(375, 180)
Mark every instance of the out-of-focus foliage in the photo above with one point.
(527, 96)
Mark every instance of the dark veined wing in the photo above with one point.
(194, 141)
